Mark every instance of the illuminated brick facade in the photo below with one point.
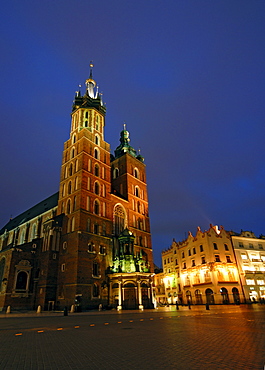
(91, 243)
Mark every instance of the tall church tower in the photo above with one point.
(106, 234)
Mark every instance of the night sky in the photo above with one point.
(188, 79)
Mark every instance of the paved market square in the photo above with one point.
(225, 337)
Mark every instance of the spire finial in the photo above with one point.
(124, 126)
(91, 65)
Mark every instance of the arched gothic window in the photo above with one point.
(2, 268)
(137, 191)
(96, 170)
(68, 207)
(96, 207)
(119, 219)
(70, 187)
(97, 188)
(115, 173)
(96, 153)
(22, 279)
(136, 173)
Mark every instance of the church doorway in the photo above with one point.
(129, 302)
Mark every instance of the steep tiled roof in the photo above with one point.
(34, 211)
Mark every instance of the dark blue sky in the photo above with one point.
(186, 76)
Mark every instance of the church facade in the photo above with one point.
(90, 243)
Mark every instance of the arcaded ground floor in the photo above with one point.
(224, 337)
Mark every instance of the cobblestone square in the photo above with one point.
(225, 337)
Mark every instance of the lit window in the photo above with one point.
(137, 192)
(217, 258)
(244, 257)
(250, 281)
(136, 173)
(63, 267)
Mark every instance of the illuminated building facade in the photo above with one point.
(90, 243)
(202, 269)
(250, 256)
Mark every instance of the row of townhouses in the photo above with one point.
(213, 267)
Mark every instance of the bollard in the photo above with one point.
(8, 309)
(72, 308)
(65, 311)
(39, 309)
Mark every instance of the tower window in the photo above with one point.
(86, 114)
(96, 207)
(68, 207)
(70, 169)
(137, 191)
(136, 173)
(97, 188)
(96, 170)
(86, 123)
(70, 187)
(73, 153)
(96, 153)
(115, 173)
(96, 140)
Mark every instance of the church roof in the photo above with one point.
(32, 212)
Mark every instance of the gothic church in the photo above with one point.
(90, 243)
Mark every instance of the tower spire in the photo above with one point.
(91, 83)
